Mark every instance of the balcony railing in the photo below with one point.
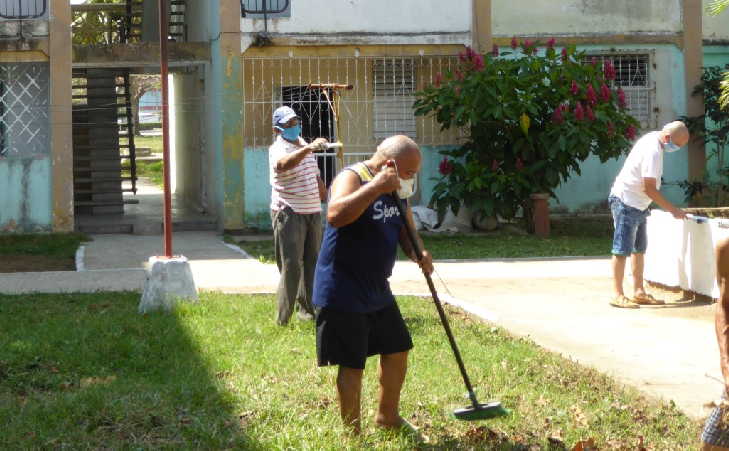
(23, 9)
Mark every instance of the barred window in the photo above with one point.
(394, 86)
(256, 9)
(633, 76)
(23, 9)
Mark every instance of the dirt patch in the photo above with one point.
(35, 263)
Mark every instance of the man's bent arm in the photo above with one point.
(349, 199)
(722, 307)
(290, 161)
(652, 191)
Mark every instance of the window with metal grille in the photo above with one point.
(23, 9)
(633, 76)
(260, 9)
(394, 86)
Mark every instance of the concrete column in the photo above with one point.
(229, 56)
(60, 115)
(481, 39)
(693, 54)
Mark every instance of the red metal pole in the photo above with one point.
(164, 68)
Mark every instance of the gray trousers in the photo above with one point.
(296, 239)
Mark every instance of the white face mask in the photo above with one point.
(407, 187)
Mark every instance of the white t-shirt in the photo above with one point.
(644, 160)
(297, 188)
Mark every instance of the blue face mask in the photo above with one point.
(291, 133)
(670, 147)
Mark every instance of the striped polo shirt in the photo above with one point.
(297, 188)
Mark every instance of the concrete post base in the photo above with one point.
(168, 282)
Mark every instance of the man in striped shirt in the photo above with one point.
(296, 196)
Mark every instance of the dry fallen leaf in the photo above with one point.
(585, 445)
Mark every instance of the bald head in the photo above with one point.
(678, 132)
(398, 146)
(404, 151)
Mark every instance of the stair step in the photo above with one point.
(92, 158)
(103, 179)
(100, 203)
(92, 191)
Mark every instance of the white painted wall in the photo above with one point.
(385, 17)
(716, 27)
(575, 17)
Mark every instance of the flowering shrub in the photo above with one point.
(531, 117)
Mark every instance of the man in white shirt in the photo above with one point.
(636, 186)
(297, 192)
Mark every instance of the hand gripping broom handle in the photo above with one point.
(436, 300)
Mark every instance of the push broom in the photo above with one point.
(476, 411)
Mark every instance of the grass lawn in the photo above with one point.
(570, 237)
(152, 142)
(39, 252)
(87, 371)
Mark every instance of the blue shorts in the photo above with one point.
(630, 235)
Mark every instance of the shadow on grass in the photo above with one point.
(88, 371)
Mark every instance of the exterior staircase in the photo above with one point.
(103, 141)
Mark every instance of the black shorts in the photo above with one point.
(347, 339)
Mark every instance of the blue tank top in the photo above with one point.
(356, 260)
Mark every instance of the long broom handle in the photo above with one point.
(436, 300)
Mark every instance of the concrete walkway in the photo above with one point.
(668, 352)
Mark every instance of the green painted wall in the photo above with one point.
(715, 56)
(25, 202)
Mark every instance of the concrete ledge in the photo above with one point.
(72, 282)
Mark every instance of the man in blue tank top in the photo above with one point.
(356, 312)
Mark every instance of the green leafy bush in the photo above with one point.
(530, 117)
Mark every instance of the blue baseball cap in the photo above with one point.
(282, 115)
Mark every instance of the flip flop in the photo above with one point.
(623, 302)
(647, 299)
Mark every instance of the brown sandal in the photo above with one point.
(623, 302)
(647, 299)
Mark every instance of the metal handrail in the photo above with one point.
(18, 14)
(264, 8)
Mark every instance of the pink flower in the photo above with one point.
(591, 96)
(551, 43)
(557, 115)
(621, 98)
(630, 132)
(565, 55)
(445, 167)
(579, 112)
(495, 50)
(590, 113)
(495, 165)
(477, 61)
(609, 70)
(438, 79)
(514, 43)
(605, 93)
(575, 89)
(458, 75)
(594, 61)
(519, 164)
(611, 129)
(528, 46)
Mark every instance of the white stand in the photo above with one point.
(169, 280)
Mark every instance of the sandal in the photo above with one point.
(623, 302)
(647, 299)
